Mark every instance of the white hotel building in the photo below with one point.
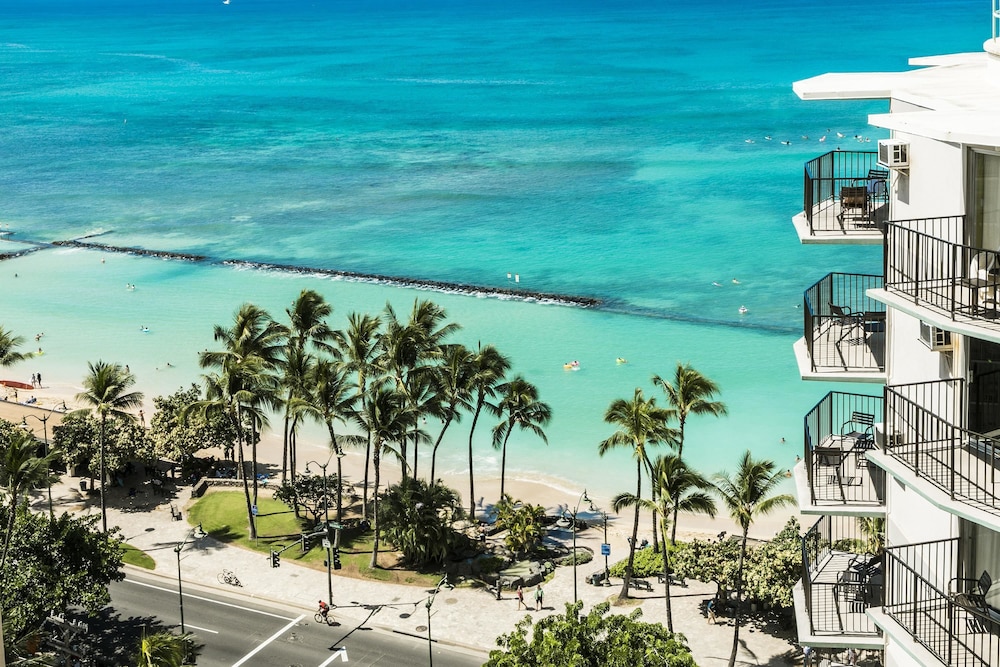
(918, 450)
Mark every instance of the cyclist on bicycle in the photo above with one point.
(324, 609)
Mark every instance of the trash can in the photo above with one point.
(83, 485)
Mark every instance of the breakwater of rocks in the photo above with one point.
(375, 278)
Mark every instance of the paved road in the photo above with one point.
(238, 631)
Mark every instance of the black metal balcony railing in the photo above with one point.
(835, 462)
(924, 431)
(927, 261)
(918, 597)
(845, 191)
(841, 577)
(844, 328)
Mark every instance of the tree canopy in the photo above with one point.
(54, 564)
(599, 639)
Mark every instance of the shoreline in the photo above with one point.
(556, 495)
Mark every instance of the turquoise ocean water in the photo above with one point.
(596, 149)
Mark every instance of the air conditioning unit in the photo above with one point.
(893, 154)
(938, 340)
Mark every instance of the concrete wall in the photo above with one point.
(934, 185)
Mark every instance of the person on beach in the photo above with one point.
(38, 376)
(520, 598)
(34, 380)
(538, 598)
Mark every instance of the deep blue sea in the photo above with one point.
(629, 151)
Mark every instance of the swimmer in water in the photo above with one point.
(735, 281)
(716, 283)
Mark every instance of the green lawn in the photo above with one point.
(137, 557)
(223, 515)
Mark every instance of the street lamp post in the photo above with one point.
(326, 522)
(605, 547)
(197, 533)
(576, 509)
(45, 434)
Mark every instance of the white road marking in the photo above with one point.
(269, 640)
(188, 625)
(340, 653)
(203, 599)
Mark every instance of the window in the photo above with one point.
(984, 204)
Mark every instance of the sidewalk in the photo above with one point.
(463, 617)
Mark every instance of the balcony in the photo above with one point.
(846, 199)
(952, 466)
(835, 476)
(932, 275)
(923, 605)
(841, 580)
(844, 330)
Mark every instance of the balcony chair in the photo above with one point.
(847, 320)
(983, 618)
(984, 279)
(854, 203)
(876, 184)
(859, 430)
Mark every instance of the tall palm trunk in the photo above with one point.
(374, 562)
(680, 454)
(635, 533)
(251, 522)
(285, 456)
(739, 600)
(416, 450)
(472, 478)
(253, 460)
(447, 423)
(368, 449)
(104, 507)
(503, 460)
(666, 581)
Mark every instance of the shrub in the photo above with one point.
(647, 564)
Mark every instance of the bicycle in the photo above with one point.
(319, 617)
(229, 577)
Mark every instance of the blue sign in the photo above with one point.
(605, 549)
(253, 510)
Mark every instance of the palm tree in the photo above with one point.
(20, 471)
(385, 419)
(359, 346)
(690, 393)
(332, 399)
(163, 649)
(523, 409)
(106, 391)
(8, 348)
(675, 484)
(307, 325)
(406, 352)
(747, 495)
(640, 424)
(451, 384)
(486, 370)
(244, 385)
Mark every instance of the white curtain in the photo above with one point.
(986, 200)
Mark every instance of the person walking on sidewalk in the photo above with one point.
(538, 598)
(520, 598)
(710, 608)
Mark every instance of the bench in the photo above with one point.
(175, 513)
(641, 584)
(597, 578)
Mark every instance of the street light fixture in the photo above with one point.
(45, 434)
(197, 533)
(326, 521)
(576, 509)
